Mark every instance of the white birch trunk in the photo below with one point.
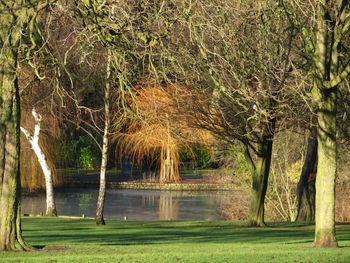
(34, 142)
(104, 155)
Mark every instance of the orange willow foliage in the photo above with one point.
(159, 129)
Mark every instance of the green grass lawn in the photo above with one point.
(80, 240)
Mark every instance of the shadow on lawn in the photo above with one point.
(54, 232)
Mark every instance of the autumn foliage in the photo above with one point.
(159, 129)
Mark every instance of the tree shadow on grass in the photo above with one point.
(80, 231)
(158, 232)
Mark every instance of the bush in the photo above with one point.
(86, 158)
(199, 153)
(75, 150)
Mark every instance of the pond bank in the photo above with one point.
(201, 181)
(155, 186)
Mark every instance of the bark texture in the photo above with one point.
(324, 96)
(15, 17)
(260, 171)
(326, 171)
(12, 24)
(306, 184)
(259, 184)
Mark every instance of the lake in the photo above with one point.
(134, 204)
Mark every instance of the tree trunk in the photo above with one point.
(326, 171)
(34, 142)
(104, 158)
(166, 167)
(325, 99)
(10, 34)
(260, 177)
(306, 184)
(10, 226)
(102, 190)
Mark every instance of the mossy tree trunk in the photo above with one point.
(260, 170)
(331, 25)
(259, 184)
(14, 16)
(10, 228)
(306, 184)
(326, 170)
(323, 35)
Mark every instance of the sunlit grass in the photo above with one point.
(80, 240)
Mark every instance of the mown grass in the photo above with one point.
(80, 240)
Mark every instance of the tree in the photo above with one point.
(324, 28)
(160, 129)
(38, 95)
(33, 139)
(245, 81)
(14, 17)
(105, 145)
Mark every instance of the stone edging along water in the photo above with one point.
(157, 186)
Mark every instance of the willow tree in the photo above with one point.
(324, 27)
(160, 129)
(15, 18)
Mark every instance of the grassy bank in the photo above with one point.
(80, 240)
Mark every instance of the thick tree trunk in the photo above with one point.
(326, 171)
(10, 230)
(10, 34)
(34, 142)
(259, 183)
(104, 159)
(10, 227)
(306, 184)
(325, 99)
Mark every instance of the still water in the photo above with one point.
(133, 204)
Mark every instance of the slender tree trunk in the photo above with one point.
(306, 184)
(34, 142)
(102, 191)
(260, 177)
(10, 33)
(168, 172)
(166, 167)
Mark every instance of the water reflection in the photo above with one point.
(168, 208)
(134, 204)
